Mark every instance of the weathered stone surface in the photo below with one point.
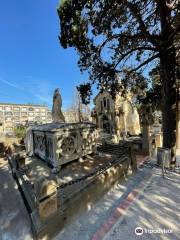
(18, 160)
(57, 114)
(61, 143)
(46, 194)
(21, 159)
(158, 140)
(44, 187)
(58, 143)
(48, 207)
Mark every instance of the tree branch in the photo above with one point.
(121, 36)
(145, 62)
(133, 50)
(135, 11)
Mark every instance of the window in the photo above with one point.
(101, 106)
(8, 119)
(37, 119)
(23, 113)
(16, 113)
(1, 108)
(8, 113)
(24, 117)
(108, 105)
(16, 109)
(104, 101)
(43, 114)
(16, 118)
(31, 114)
(23, 109)
(31, 109)
(37, 109)
(1, 113)
(30, 118)
(9, 129)
(8, 108)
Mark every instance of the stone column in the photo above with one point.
(146, 125)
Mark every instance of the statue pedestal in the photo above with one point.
(60, 143)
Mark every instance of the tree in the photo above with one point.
(151, 96)
(81, 112)
(124, 37)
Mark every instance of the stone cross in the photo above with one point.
(57, 114)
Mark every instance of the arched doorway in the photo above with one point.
(106, 124)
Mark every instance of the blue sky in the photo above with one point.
(32, 62)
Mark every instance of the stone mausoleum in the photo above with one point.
(117, 116)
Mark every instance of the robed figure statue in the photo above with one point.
(57, 114)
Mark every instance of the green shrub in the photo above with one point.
(20, 131)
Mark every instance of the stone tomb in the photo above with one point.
(52, 197)
(60, 143)
(49, 193)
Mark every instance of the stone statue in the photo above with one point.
(57, 114)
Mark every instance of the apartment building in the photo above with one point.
(13, 114)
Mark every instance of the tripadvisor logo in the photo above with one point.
(139, 231)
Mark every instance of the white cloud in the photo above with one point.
(11, 84)
(41, 89)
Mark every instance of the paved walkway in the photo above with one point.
(14, 219)
(95, 221)
(156, 211)
(145, 200)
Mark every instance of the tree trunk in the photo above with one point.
(168, 78)
(178, 125)
(146, 138)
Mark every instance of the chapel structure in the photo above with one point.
(117, 116)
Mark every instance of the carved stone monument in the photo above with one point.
(58, 143)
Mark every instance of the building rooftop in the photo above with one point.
(30, 105)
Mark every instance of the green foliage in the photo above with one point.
(117, 38)
(152, 96)
(20, 131)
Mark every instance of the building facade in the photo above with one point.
(12, 115)
(72, 116)
(117, 116)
